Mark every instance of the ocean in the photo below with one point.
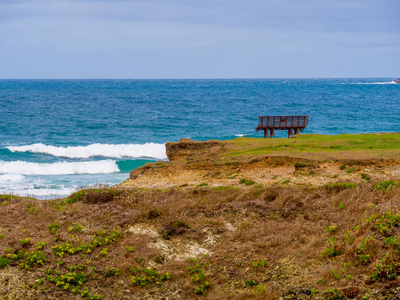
(59, 135)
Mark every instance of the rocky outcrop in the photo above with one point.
(397, 80)
(187, 149)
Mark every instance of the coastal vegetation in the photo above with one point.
(215, 224)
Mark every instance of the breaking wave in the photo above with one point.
(151, 150)
(58, 168)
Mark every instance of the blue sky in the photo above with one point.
(199, 39)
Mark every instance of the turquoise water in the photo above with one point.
(57, 135)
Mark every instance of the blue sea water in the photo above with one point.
(57, 135)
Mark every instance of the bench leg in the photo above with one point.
(296, 131)
(290, 132)
(266, 133)
(272, 133)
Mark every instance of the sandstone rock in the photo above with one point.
(185, 148)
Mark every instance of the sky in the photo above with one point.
(199, 39)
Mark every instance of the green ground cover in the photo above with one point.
(370, 145)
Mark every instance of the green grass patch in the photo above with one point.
(201, 184)
(385, 185)
(340, 186)
(315, 143)
(74, 197)
(246, 181)
(13, 197)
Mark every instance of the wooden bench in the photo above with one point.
(293, 124)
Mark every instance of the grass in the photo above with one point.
(12, 197)
(340, 186)
(201, 184)
(319, 146)
(385, 185)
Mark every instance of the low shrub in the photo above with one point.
(99, 196)
(332, 250)
(31, 208)
(112, 272)
(246, 181)
(152, 214)
(199, 278)
(365, 176)
(75, 228)
(77, 196)
(270, 195)
(3, 262)
(386, 223)
(174, 228)
(53, 227)
(385, 185)
(149, 277)
(251, 282)
(333, 294)
(298, 166)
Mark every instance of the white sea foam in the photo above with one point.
(9, 178)
(387, 82)
(58, 168)
(151, 150)
(40, 193)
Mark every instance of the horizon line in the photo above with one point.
(199, 78)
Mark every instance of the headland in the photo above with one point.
(311, 217)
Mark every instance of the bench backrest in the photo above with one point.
(278, 122)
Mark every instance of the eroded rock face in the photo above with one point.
(397, 80)
(184, 149)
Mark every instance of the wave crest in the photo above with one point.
(151, 150)
(59, 168)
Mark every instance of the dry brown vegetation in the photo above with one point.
(276, 239)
